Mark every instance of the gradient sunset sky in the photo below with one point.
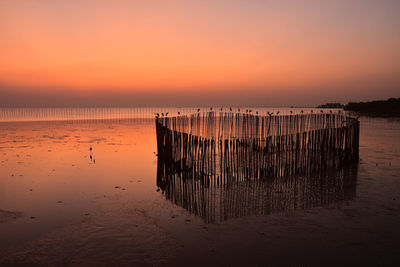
(221, 52)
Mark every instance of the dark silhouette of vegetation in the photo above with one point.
(331, 105)
(379, 108)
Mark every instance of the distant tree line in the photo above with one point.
(383, 108)
(331, 105)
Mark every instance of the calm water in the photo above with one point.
(64, 204)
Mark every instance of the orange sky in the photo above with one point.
(210, 46)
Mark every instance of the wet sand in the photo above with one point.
(105, 210)
(8, 216)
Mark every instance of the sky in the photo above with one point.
(192, 53)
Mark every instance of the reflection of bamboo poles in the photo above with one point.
(255, 197)
(204, 152)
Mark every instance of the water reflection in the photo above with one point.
(215, 202)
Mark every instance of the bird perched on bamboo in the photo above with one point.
(277, 113)
(198, 110)
(166, 114)
(302, 111)
(230, 108)
(179, 113)
(291, 112)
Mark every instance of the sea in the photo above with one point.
(78, 187)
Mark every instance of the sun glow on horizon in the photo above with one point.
(176, 45)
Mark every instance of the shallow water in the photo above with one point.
(62, 203)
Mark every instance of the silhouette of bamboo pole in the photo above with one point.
(206, 151)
